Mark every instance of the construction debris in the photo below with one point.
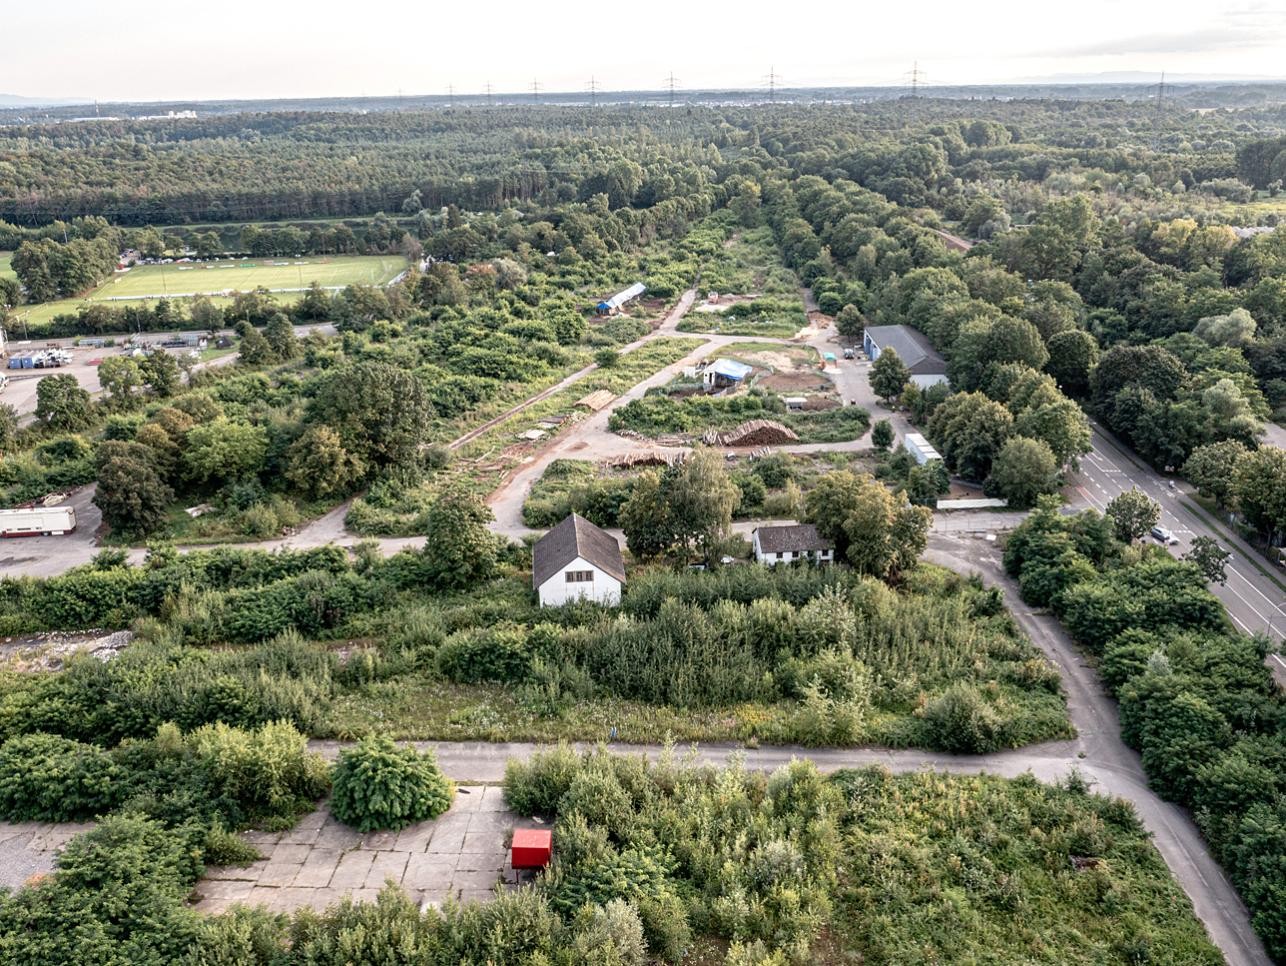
(596, 400)
(756, 432)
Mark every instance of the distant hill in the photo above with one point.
(18, 100)
(1145, 77)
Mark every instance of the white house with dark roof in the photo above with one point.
(801, 541)
(577, 561)
(928, 368)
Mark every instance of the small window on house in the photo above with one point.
(580, 576)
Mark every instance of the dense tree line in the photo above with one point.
(1196, 700)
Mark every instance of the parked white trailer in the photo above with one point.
(42, 522)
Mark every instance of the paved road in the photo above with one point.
(1254, 601)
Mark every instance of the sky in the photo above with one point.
(328, 48)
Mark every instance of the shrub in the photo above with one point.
(961, 721)
(269, 771)
(50, 779)
(380, 785)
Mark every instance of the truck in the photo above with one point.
(37, 521)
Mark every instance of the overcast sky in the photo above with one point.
(271, 48)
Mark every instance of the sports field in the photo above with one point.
(208, 278)
(287, 276)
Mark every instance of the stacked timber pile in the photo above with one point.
(646, 457)
(756, 432)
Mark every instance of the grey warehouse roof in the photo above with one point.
(911, 346)
(575, 537)
(796, 538)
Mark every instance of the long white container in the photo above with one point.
(44, 522)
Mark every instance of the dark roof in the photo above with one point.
(801, 536)
(911, 346)
(575, 537)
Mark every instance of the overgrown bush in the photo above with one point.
(50, 779)
(381, 785)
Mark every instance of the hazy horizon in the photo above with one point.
(243, 51)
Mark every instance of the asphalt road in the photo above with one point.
(1256, 603)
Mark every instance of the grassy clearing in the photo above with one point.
(147, 282)
(6, 265)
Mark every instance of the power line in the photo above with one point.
(1161, 92)
(773, 80)
(535, 91)
(916, 77)
(450, 95)
(671, 81)
(593, 92)
(490, 100)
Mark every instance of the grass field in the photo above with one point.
(274, 274)
(5, 267)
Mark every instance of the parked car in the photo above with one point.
(849, 353)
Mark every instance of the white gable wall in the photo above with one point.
(557, 590)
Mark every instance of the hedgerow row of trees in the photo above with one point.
(1196, 699)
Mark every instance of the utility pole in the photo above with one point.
(535, 91)
(450, 95)
(593, 92)
(671, 81)
(1161, 92)
(773, 79)
(490, 101)
(916, 76)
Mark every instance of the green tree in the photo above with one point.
(280, 335)
(1259, 487)
(882, 434)
(1133, 515)
(869, 528)
(969, 430)
(701, 497)
(850, 322)
(459, 551)
(254, 349)
(120, 377)
(1061, 425)
(9, 428)
(1212, 468)
(62, 405)
(1023, 470)
(927, 482)
(317, 464)
(160, 371)
(1210, 558)
(1072, 357)
(224, 449)
(645, 518)
(131, 493)
(889, 375)
(380, 411)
